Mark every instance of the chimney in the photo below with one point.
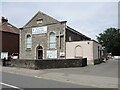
(4, 19)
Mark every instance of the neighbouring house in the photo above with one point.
(9, 39)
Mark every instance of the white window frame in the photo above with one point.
(70, 38)
(52, 42)
(27, 42)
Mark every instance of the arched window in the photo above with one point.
(78, 51)
(28, 41)
(52, 40)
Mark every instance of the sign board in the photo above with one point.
(39, 30)
(4, 55)
(62, 54)
(15, 57)
(51, 53)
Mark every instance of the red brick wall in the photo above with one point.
(0, 41)
(10, 42)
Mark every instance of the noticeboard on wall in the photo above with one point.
(51, 53)
(62, 54)
(4, 55)
(39, 30)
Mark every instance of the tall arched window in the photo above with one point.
(28, 41)
(78, 51)
(52, 40)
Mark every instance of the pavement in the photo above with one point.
(104, 75)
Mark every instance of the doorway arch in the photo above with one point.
(39, 52)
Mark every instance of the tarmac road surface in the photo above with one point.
(19, 82)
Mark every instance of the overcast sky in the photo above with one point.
(89, 18)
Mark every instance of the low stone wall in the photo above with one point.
(98, 61)
(47, 64)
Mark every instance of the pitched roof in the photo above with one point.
(7, 27)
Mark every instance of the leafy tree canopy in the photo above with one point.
(110, 39)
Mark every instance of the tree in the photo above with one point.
(110, 39)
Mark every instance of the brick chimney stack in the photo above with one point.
(4, 19)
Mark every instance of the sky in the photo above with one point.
(89, 18)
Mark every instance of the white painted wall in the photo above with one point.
(78, 51)
(95, 51)
(89, 50)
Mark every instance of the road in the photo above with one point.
(21, 81)
(104, 75)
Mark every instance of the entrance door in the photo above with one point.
(39, 52)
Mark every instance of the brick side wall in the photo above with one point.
(74, 36)
(0, 41)
(10, 42)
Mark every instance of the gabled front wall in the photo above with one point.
(46, 20)
(41, 39)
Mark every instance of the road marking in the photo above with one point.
(11, 86)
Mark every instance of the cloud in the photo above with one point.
(0, 9)
(90, 18)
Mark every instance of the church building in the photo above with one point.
(44, 37)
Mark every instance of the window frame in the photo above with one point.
(53, 42)
(27, 48)
(70, 38)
